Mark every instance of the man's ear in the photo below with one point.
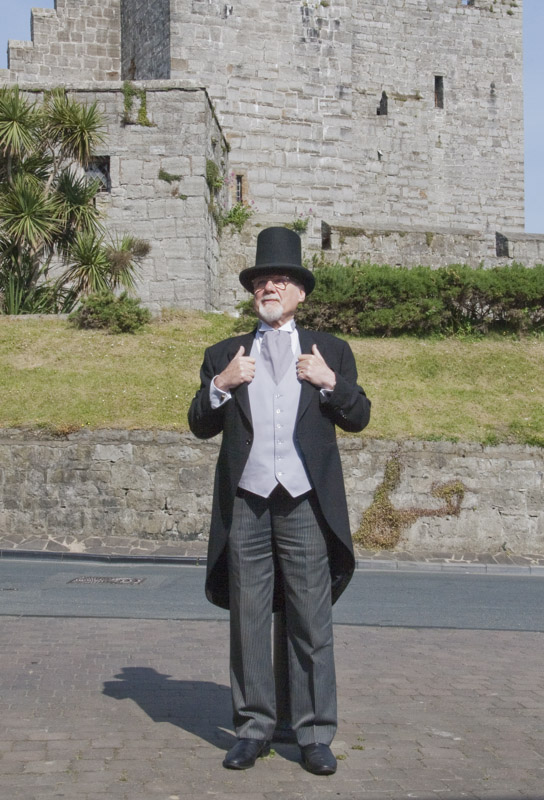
(302, 295)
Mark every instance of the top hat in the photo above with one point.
(278, 250)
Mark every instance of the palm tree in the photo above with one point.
(48, 213)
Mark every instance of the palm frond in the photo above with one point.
(76, 195)
(124, 255)
(19, 122)
(17, 283)
(88, 267)
(48, 208)
(13, 295)
(35, 166)
(74, 128)
(46, 298)
(28, 213)
(8, 249)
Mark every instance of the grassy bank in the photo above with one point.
(53, 376)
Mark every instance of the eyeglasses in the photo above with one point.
(279, 281)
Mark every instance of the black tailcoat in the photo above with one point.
(347, 407)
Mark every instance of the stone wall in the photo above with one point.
(297, 88)
(461, 165)
(277, 84)
(158, 184)
(173, 211)
(434, 247)
(151, 491)
(78, 40)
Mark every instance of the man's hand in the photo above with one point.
(240, 370)
(312, 367)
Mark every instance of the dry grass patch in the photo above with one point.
(55, 376)
(487, 390)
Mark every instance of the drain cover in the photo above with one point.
(86, 579)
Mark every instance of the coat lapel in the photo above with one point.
(241, 392)
(306, 340)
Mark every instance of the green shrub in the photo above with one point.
(503, 298)
(214, 179)
(121, 314)
(299, 224)
(371, 300)
(238, 215)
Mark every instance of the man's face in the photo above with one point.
(276, 297)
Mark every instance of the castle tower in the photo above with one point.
(396, 128)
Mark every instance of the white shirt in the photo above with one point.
(218, 397)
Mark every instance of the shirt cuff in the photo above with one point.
(218, 397)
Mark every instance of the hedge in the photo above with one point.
(372, 300)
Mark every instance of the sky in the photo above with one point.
(15, 24)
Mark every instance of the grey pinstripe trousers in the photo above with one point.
(283, 533)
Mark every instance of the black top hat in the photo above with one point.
(278, 250)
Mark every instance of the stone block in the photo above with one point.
(130, 171)
(112, 452)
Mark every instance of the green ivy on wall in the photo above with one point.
(130, 93)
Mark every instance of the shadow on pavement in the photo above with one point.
(199, 707)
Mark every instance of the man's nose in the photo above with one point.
(269, 285)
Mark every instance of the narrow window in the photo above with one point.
(99, 170)
(239, 188)
(501, 245)
(325, 236)
(382, 108)
(439, 91)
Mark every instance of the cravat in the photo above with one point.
(276, 353)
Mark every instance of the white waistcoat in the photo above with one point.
(274, 457)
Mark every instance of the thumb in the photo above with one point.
(315, 351)
(240, 352)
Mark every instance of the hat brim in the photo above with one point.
(301, 274)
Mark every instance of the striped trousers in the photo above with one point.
(288, 536)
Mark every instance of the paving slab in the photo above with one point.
(137, 710)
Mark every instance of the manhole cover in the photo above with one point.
(115, 581)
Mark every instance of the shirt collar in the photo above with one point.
(289, 327)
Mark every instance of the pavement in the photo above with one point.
(140, 709)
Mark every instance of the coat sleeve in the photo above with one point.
(348, 405)
(205, 421)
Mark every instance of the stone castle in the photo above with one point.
(395, 128)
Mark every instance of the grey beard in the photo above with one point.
(270, 315)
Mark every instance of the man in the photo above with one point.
(279, 530)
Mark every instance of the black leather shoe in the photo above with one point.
(319, 759)
(245, 753)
